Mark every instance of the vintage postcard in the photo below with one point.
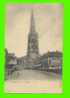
(33, 48)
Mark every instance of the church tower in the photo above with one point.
(33, 49)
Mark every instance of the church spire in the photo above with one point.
(32, 49)
(32, 25)
(32, 39)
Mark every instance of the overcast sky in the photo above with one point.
(48, 22)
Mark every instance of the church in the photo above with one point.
(32, 57)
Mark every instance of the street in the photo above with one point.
(34, 81)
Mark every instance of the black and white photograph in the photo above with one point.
(33, 48)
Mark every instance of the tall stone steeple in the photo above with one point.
(33, 49)
(32, 23)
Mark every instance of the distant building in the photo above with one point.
(6, 57)
(12, 60)
(51, 61)
(10, 63)
(54, 59)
